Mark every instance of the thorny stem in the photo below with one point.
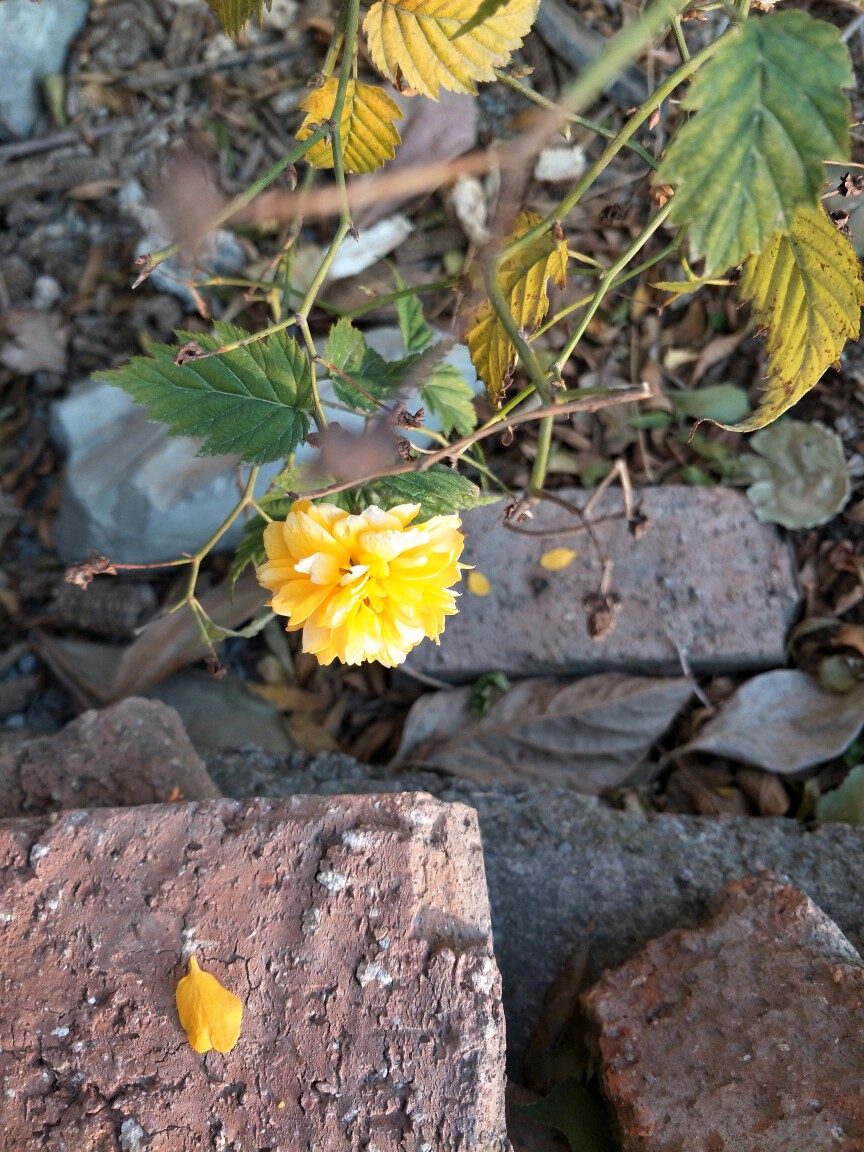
(496, 296)
(571, 117)
(541, 460)
(568, 203)
(195, 560)
(680, 42)
(352, 20)
(590, 400)
(608, 282)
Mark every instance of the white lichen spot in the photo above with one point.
(37, 852)
(7, 917)
(60, 1031)
(332, 880)
(132, 1136)
(91, 999)
(354, 839)
(418, 817)
(311, 919)
(369, 970)
(483, 977)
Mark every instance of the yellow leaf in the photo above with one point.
(369, 134)
(807, 294)
(478, 584)
(557, 558)
(209, 1014)
(523, 281)
(415, 38)
(235, 14)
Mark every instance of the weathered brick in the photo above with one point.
(136, 752)
(705, 575)
(356, 931)
(744, 1035)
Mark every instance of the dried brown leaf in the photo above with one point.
(588, 734)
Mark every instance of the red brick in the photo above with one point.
(355, 929)
(136, 752)
(745, 1035)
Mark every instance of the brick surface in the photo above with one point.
(136, 752)
(744, 1035)
(355, 929)
(705, 575)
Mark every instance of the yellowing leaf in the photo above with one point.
(807, 294)
(234, 14)
(368, 130)
(478, 584)
(420, 39)
(557, 558)
(209, 1014)
(523, 281)
(770, 109)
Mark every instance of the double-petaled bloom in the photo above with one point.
(362, 587)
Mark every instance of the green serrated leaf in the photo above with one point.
(234, 15)
(416, 333)
(769, 110)
(363, 379)
(439, 492)
(250, 550)
(251, 402)
(578, 1113)
(449, 397)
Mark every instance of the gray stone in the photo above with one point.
(132, 492)
(563, 869)
(704, 577)
(34, 39)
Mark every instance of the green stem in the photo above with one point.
(635, 122)
(571, 117)
(631, 274)
(524, 351)
(608, 282)
(245, 500)
(401, 294)
(620, 51)
(681, 43)
(496, 296)
(351, 12)
(541, 460)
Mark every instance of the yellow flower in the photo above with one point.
(366, 587)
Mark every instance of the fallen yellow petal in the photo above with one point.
(557, 558)
(208, 1012)
(478, 584)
